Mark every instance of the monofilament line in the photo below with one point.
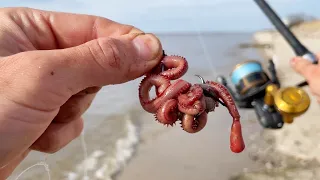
(41, 163)
(202, 43)
(85, 153)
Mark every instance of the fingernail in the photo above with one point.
(148, 46)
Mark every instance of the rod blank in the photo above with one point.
(298, 48)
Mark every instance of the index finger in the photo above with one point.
(63, 30)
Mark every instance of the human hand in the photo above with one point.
(51, 67)
(310, 71)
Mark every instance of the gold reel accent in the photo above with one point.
(291, 102)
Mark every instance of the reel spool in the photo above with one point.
(248, 75)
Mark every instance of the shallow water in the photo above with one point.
(113, 122)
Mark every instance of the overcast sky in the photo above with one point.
(178, 15)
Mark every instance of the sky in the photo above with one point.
(178, 15)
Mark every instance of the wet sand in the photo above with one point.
(172, 154)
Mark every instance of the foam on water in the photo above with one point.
(105, 167)
(102, 150)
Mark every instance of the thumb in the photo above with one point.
(107, 61)
(303, 67)
(98, 62)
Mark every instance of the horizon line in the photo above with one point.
(205, 32)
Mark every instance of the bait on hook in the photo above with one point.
(209, 94)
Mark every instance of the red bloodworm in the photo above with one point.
(176, 67)
(164, 104)
(196, 108)
(171, 91)
(180, 100)
(168, 113)
(193, 124)
(237, 144)
(171, 67)
(192, 102)
(193, 105)
(195, 93)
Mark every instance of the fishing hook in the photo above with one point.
(210, 93)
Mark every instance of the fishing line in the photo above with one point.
(202, 43)
(208, 58)
(85, 154)
(42, 163)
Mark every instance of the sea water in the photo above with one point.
(113, 122)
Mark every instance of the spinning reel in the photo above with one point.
(254, 89)
(273, 105)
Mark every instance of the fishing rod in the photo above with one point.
(296, 45)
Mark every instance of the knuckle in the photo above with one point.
(106, 53)
(115, 54)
